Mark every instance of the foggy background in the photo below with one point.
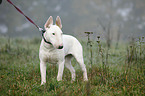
(121, 18)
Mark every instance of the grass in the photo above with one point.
(123, 74)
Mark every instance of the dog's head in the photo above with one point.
(53, 33)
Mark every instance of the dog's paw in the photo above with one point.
(42, 83)
(85, 79)
(72, 81)
(59, 79)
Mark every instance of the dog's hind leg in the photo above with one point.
(79, 58)
(69, 66)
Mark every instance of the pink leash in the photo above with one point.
(40, 29)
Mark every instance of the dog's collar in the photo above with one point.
(43, 31)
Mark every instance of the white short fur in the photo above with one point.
(61, 56)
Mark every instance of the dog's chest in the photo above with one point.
(54, 56)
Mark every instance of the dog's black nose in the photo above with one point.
(60, 47)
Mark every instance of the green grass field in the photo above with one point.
(111, 72)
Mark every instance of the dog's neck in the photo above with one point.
(47, 46)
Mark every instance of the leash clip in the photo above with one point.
(42, 30)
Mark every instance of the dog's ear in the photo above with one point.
(58, 22)
(48, 22)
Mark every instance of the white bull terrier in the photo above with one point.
(57, 48)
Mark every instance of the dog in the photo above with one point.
(60, 49)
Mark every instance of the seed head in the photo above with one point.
(88, 32)
(130, 46)
(142, 37)
(98, 37)
(98, 41)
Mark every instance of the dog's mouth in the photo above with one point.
(60, 47)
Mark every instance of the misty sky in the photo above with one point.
(78, 16)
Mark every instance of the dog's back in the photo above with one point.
(70, 43)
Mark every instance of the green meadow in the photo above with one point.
(118, 70)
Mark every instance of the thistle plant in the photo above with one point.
(89, 43)
(141, 52)
(135, 53)
(101, 52)
(88, 35)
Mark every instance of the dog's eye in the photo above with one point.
(53, 33)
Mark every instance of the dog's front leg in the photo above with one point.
(43, 72)
(60, 70)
